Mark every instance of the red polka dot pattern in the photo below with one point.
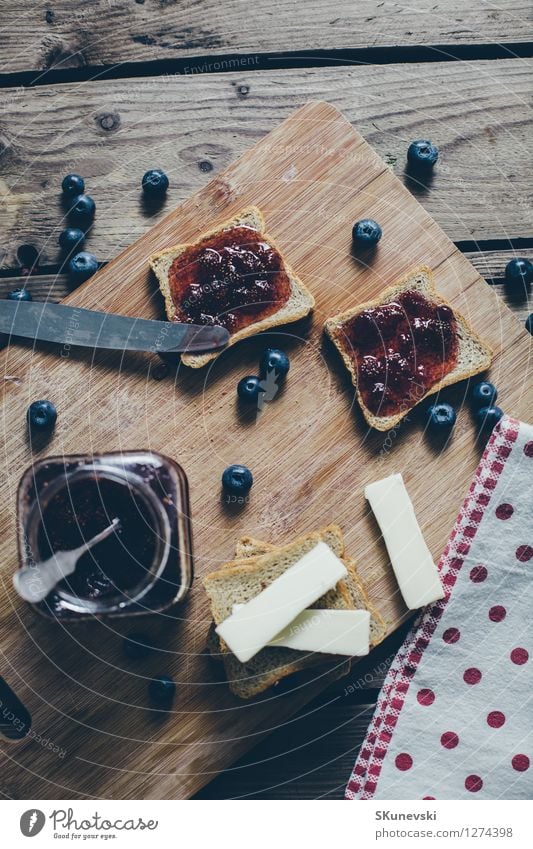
(478, 574)
(472, 676)
(497, 613)
(520, 656)
(403, 761)
(473, 783)
(449, 740)
(470, 694)
(451, 635)
(504, 511)
(425, 697)
(495, 719)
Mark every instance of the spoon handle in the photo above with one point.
(77, 552)
(33, 583)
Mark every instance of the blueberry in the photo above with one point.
(422, 153)
(441, 416)
(529, 323)
(518, 275)
(488, 417)
(70, 238)
(274, 359)
(82, 266)
(366, 233)
(41, 415)
(82, 209)
(73, 185)
(162, 690)
(249, 389)
(137, 646)
(484, 394)
(155, 182)
(237, 480)
(19, 295)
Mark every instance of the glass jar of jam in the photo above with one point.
(144, 566)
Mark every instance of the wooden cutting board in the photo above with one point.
(310, 452)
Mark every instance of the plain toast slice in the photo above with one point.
(299, 304)
(247, 546)
(473, 355)
(241, 580)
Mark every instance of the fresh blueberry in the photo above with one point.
(42, 415)
(274, 359)
(19, 295)
(529, 323)
(518, 275)
(82, 266)
(73, 185)
(155, 182)
(441, 416)
(366, 233)
(237, 480)
(162, 690)
(422, 153)
(249, 389)
(484, 394)
(82, 209)
(488, 417)
(71, 238)
(137, 646)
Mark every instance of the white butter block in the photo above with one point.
(250, 629)
(345, 632)
(411, 559)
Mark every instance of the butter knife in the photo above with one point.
(91, 329)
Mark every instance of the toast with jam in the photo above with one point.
(407, 344)
(233, 276)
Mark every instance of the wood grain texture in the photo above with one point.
(193, 127)
(312, 756)
(489, 264)
(310, 451)
(72, 33)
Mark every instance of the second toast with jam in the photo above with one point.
(234, 276)
(404, 346)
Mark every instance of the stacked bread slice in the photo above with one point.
(256, 565)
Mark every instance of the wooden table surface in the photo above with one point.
(112, 88)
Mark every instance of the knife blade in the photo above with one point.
(91, 329)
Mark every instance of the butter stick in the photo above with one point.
(345, 632)
(249, 629)
(411, 559)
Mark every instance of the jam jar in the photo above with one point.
(143, 567)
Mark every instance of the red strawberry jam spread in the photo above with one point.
(401, 349)
(233, 278)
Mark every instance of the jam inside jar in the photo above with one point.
(143, 566)
(401, 349)
(233, 278)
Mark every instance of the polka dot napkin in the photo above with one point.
(453, 720)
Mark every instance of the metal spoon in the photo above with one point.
(33, 583)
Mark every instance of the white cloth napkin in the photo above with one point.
(454, 718)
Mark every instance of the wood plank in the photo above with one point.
(312, 457)
(111, 132)
(72, 33)
(311, 757)
(489, 264)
